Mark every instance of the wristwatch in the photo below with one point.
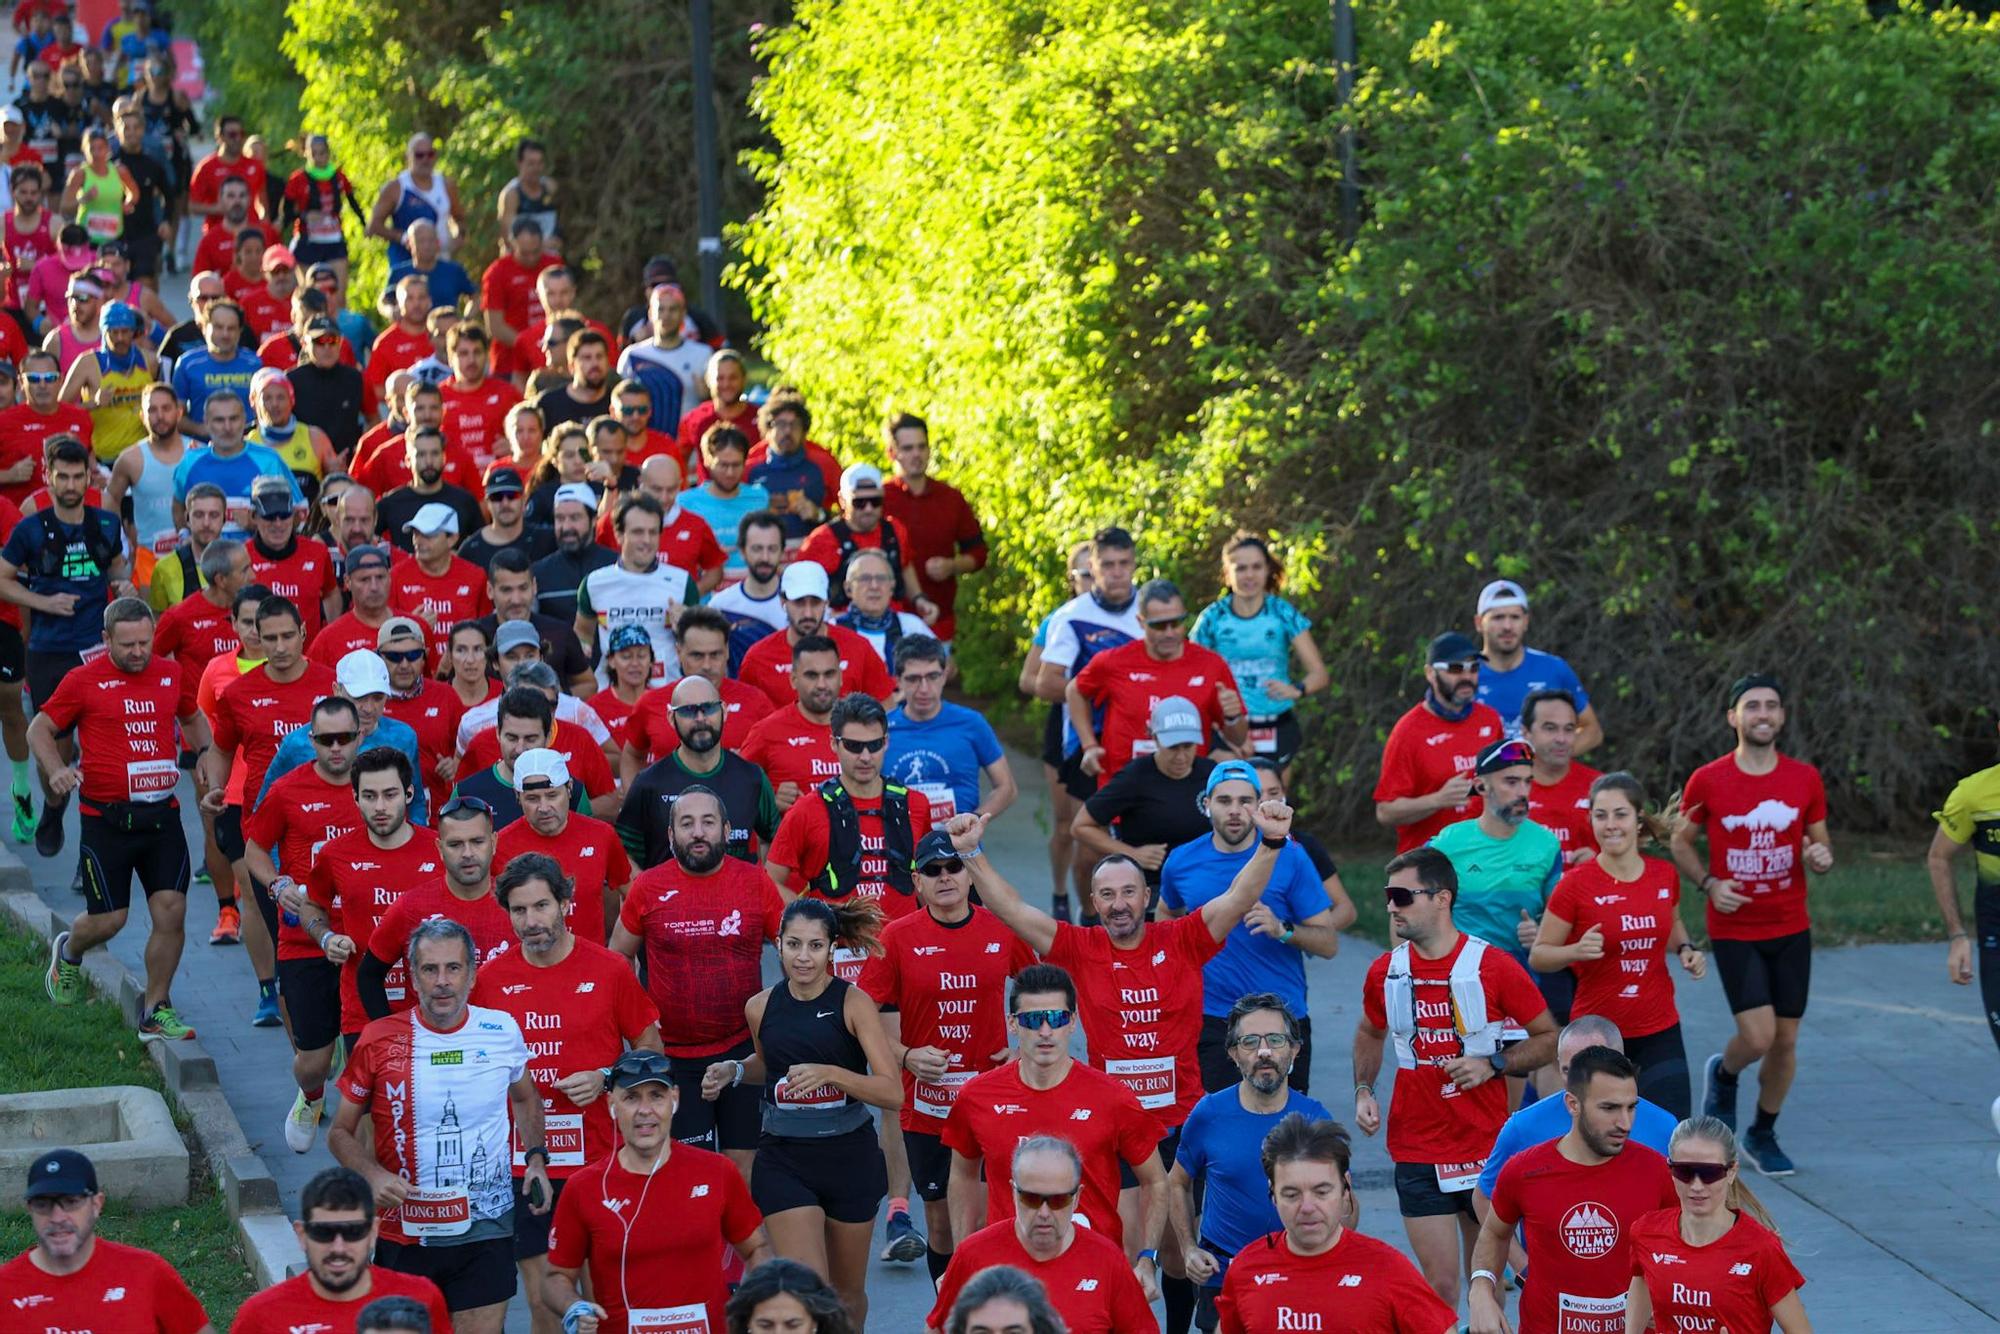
(1499, 1062)
(1150, 1254)
(534, 1149)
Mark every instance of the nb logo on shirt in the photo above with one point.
(114, 1294)
(1159, 957)
(1080, 1114)
(1739, 1269)
(698, 1192)
(428, 866)
(1086, 1285)
(992, 947)
(1350, 1280)
(585, 988)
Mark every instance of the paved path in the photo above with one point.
(1894, 1216)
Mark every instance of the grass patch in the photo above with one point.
(43, 1046)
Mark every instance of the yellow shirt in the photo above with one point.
(1971, 814)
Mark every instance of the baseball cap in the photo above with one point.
(319, 271)
(579, 492)
(659, 269)
(433, 519)
(803, 579)
(279, 257)
(629, 636)
(13, 114)
(1454, 646)
(516, 634)
(398, 627)
(118, 315)
(368, 558)
(61, 1172)
(362, 672)
(933, 848)
(1232, 771)
(504, 481)
(860, 477)
(1743, 685)
(1503, 755)
(1501, 593)
(1175, 722)
(540, 767)
(636, 1066)
(321, 324)
(271, 497)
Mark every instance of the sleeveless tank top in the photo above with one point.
(26, 249)
(414, 204)
(117, 417)
(814, 1032)
(539, 207)
(70, 347)
(100, 206)
(295, 447)
(153, 502)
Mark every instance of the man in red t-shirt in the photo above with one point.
(579, 1006)
(702, 917)
(439, 586)
(1560, 798)
(1444, 1012)
(336, 1230)
(945, 539)
(803, 589)
(794, 746)
(428, 706)
(1575, 1200)
(464, 893)
(123, 707)
(1426, 780)
(1111, 700)
(291, 566)
(25, 427)
(403, 344)
(585, 847)
(227, 163)
(1765, 816)
(863, 526)
(197, 630)
(507, 292)
(360, 626)
(475, 402)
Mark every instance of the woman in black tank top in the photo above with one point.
(824, 1060)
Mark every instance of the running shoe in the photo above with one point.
(1059, 908)
(905, 1242)
(1718, 1094)
(1761, 1148)
(49, 829)
(267, 1011)
(24, 817)
(228, 926)
(64, 980)
(165, 1024)
(302, 1123)
(201, 877)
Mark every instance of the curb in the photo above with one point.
(249, 1191)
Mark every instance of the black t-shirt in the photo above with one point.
(562, 650)
(558, 576)
(1150, 807)
(401, 505)
(646, 819)
(488, 786)
(558, 407)
(142, 224)
(331, 400)
(184, 338)
(534, 542)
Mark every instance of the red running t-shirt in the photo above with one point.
(1431, 1119)
(653, 1240)
(704, 937)
(589, 852)
(442, 600)
(768, 666)
(357, 882)
(578, 748)
(1359, 1283)
(475, 417)
(579, 1014)
(125, 727)
(433, 713)
(492, 930)
(1756, 829)
(1423, 753)
(256, 713)
(1127, 682)
(150, 1295)
(1731, 1283)
(300, 815)
(950, 983)
(1090, 1285)
(650, 730)
(293, 1305)
(791, 748)
(1141, 1008)
(1630, 985)
(1565, 808)
(305, 575)
(195, 632)
(1579, 1232)
(1096, 1113)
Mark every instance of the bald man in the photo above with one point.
(644, 823)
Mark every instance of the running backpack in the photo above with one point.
(843, 841)
(891, 547)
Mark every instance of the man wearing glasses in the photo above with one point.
(864, 526)
(1427, 779)
(27, 426)
(66, 1277)
(326, 385)
(938, 748)
(1443, 997)
(645, 821)
(336, 1230)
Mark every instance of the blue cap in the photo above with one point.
(61, 1172)
(118, 315)
(629, 636)
(1232, 770)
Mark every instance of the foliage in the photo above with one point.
(1677, 313)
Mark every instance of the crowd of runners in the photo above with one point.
(538, 687)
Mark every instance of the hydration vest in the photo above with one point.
(843, 841)
(891, 547)
(1477, 1030)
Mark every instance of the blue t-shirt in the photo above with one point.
(945, 752)
(1257, 648)
(199, 373)
(449, 281)
(358, 332)
(296, 751)
(725, 516)
(79, 574)
(787, 474)
(1504, 691)
(235, 474)
(1196, 872)
(1225, 1143)
(1547, 1119)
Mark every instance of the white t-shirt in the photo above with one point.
(689, 361)
(735, 602)
(569, 709)
(651, 599)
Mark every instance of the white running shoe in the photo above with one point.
(302, 1123)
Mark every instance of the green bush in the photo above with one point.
(1680, 314)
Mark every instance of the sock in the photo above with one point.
(935, 1261)
(267, 988)
(68, 955)
(315, 1093)
(899, 1204)
(1765, 1123)
(22, 786)
(225, 901)
(1723, 1074)
(1179, 1294)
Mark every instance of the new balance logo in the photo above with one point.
(1739, 1269)
(427, 867)
(1666, 893)
(114, 1294)
(1086, 1285)
(1080, 1114)
(1350, 1280)
(1159, 957)
(585, 988)
(992, 947)
(699, 1192)
(590, 852)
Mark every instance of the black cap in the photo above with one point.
(1743, 685)
(1455, 646)
(1503, 755)
(638, 1066)
(61, 1172)
(504, 481)
(321, 324)
(935, 847)
(271, 498)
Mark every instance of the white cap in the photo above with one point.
(10, 112)
(433, 519)
(540, 764)
(803, 579)
(860, 477)
(579, 492)
(1501, 593)
(362, 672)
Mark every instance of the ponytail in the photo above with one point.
(1655, 826)
(854, 922)
(1743, 1201)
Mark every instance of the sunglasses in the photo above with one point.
(326, 340)
(640, 1064)
(41, 377)
(693, 711)
(1466, 668)
(864, 502)
(334, 738)
(425, 157)
(457, 804)
(1706, 1173)
(1513, 752)
(949, 866)
(1402, 898)
(402, 656)
(1166, 622)
(633, 409)
(357, 1230)
(853, 747)
(1050, 1019)
(1035, 1199)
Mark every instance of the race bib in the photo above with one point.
(1144, 746)
(436, 1213)
(1151, 1078)
(825, 1098)
(165, 541)
(1455, 1177)
(1264, 740)
(562, 1136)
(847, 964)
(103, 227)
(151, 780)
(667, 1319)
(944, 802)
(1590, 1315)
(934, 1097)
(322, 231)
